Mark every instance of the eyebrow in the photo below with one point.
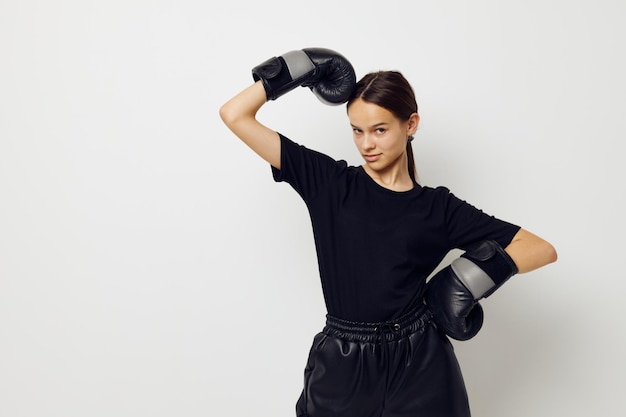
(372, 126)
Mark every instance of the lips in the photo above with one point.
(371, 158)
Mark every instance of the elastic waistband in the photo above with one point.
(391, 330)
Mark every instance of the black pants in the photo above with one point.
(403, 368)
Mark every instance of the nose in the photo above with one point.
(367, 143)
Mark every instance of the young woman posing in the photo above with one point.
(379, 234)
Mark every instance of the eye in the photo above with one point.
(357, 131)
(381, 130)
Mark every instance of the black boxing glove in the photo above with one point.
(328, 74)
(452, 295)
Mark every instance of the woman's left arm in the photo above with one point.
(530, 252)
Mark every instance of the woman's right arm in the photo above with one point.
(239, 114)
(329, 75)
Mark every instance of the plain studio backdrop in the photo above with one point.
(150, 266)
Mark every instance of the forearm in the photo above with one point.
(239, 114)
(530, 252)
(453, 293)
(244, 106)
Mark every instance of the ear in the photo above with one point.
(412, 123)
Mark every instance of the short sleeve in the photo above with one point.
(468, 225)
(306, 170)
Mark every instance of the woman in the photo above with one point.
(378, 236)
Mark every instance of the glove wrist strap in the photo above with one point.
(284, 73)
(484, 269)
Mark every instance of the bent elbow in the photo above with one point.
(545, 253)
(551, 253)
(227, 115)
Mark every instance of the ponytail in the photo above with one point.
(411, 161)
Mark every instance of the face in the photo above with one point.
(380, 136)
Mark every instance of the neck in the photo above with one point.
(395, 177)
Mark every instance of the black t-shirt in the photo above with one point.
(376, 247)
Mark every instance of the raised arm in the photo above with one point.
(239, 114)
(328, 74)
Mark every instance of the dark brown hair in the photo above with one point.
(390, 90)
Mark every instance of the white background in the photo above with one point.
(149, 265)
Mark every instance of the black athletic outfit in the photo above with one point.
(375, 249)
